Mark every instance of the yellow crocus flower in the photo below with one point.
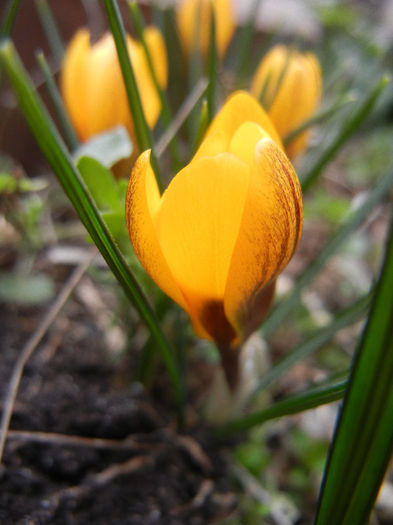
(193, 21)
(92, 84)
(293, 91)
(225, 227)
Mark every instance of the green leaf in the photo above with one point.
(323, 115)
(107, 147)
(8, 22)
(143, 133)
(363, 441)
(101, 184)
(9, 17)
(314, 342)
(212, 69)
(10, 184)
(306, 400)
(115, 221)
(59, 159)
(166, 114)
(57, 102)
(27, 290)
(51, 30)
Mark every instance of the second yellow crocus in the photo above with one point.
(225, 227)
(194, 22)
(92, 84)
(291, 83)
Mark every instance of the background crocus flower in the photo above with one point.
(193, 20)
(92, 83)
(225, 227)
(293, 91)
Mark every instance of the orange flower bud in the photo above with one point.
(193, 21)
(293, 91)
(225, 227)
(92, 83)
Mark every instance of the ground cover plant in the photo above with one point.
(196, 288)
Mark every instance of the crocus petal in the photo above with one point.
(292, 93)
(157, 50)
(198, 242)
(240, 107)
(105, 86)
(270, 230)
(147, 91)
(93, 87)
(73, 78)
(142, 203)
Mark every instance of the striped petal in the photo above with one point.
(270, 230)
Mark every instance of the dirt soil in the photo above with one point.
(112, 455)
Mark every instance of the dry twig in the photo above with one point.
(33, 342)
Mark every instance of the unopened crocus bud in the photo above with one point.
(92, 84)
(225, 227)
(194, 21)
(291, 83)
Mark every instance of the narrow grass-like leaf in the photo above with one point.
(101, 184)
(363, 442)
(212, 70)
(246, 42)
(203, 124)
(166, 113)
(280, 312)
(196, 69)
(57, 155)
(143, 133)
(267, 102)
(166, 20)
(265, 86)
(310, 398)
(51, 29)
(186, 108)
(9, 17)
(347, 129)
(313, 343)
(8, 21)
(57, 102)
(319, 117)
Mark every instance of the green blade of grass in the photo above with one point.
(9, 17)
(212, 70)
(345, 318)
(280, 312)
(57, 102)
(310, 398)
(321, 116)
(143, 133)
(51, 30)
(186, 108)
(267, 104)
(246, 42)
(363, 440)
(345, 132)
(59, 159)
(138, 22)
(203, 124)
